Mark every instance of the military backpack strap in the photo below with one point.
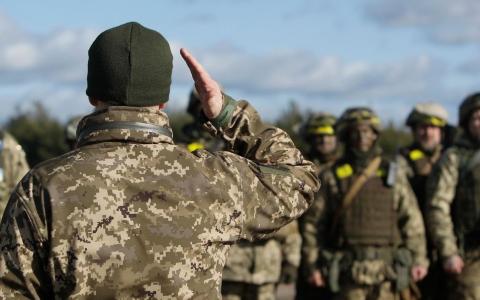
(354, 189)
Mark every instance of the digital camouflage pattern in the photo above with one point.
(13, 166)
(367, 272)
(257, 266)
(447, 234)
(130, 215)
(261, 261)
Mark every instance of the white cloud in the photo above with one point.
(55, 65)
(58, 57)
(442, 21)
(303, 73)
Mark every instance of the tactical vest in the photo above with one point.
(466, 205)
(422, 167)
(371, 220)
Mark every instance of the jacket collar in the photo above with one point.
(125, 124)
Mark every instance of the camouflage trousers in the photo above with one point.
(466, 286)
(382, 291)
(246, 291)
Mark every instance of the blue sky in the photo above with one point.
(327, 55)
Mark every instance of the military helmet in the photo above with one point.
(428, 114)
(471, 103)
(355, 116)
(319, 124)
(194, 107)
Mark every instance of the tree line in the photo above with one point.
(42, 136)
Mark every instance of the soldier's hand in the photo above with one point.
(418, 273)
(453, 264)
(208, 89)
(316, 279)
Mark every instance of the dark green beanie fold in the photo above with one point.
(130, 65)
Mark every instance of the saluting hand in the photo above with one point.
(208, 89)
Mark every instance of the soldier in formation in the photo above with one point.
(453, 206)
(13, 166)
(130, 215)
(364, 232)
(254, 269)
(428, 123)
(197, 137)
(319, 134)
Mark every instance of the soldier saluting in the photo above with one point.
(130, 215)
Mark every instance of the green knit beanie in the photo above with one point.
(130, 65)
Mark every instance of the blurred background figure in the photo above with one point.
(196, 137)
(71, 132)
(322, 149)
(254, 269)
(13, 166)
(453, 206)
(319, 135)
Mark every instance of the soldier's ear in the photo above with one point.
(93, 101)
(162, 105)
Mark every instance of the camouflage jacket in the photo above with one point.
(440, 194)
(261, 262)
(13, 166)
(130, 215)
(317, 222)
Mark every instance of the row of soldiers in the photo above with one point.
(365, 235)
(406, 227)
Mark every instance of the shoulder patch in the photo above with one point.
(416, 154)
(195, 146)
(380, 173)
(344, 171)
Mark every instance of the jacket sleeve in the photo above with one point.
(410, 221)
(441, 187)
(24, 245)
(267, 177)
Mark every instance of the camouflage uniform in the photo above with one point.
(366, 251)
(453, 211)
(253, 269)
(317, 124)
(130, 215)
(418, 164)
(13, 166)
